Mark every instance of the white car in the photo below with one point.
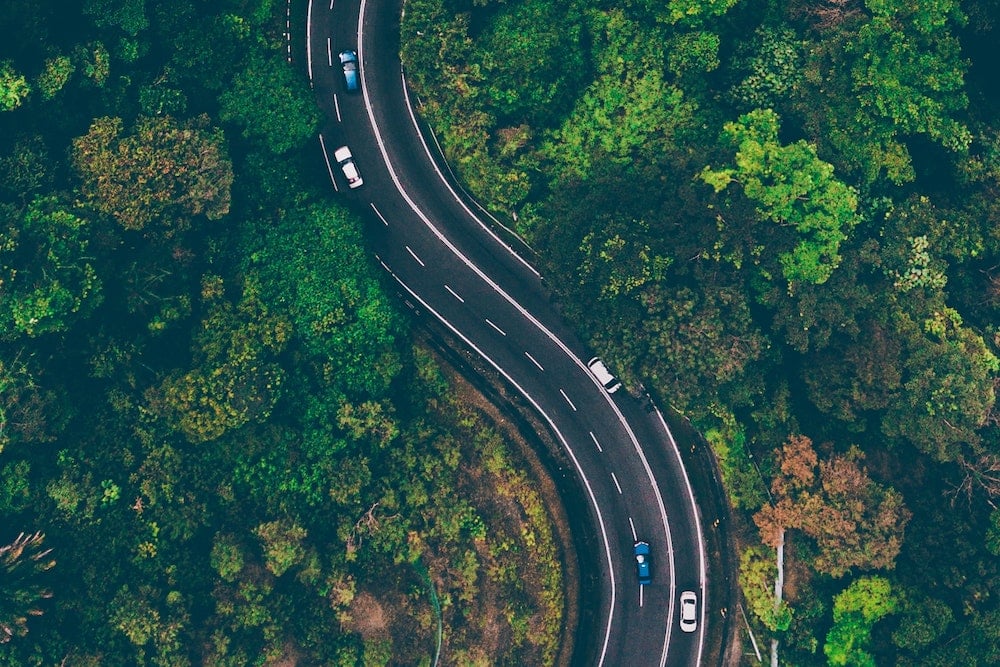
(346, 161)
(600, 371)
(689, 611)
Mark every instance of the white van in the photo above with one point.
(600, 371)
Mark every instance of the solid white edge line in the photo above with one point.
(379, 214)
(454, 194)
(534, 361)
(701, 542)
(567, 400)
(414, 255)
(555, 339)
(596, 442)
(329, 167)
(490, 322)
(617, 485)
(454, 293)
(552, 425)
(309, 51)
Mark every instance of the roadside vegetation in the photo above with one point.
(219, 442)
(782, 219)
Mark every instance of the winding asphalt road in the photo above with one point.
(449, 265)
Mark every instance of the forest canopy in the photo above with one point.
(220, 441)
(781, 219)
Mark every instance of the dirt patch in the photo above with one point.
(368, 617)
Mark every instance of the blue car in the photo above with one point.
(642, 563)
(349, 62)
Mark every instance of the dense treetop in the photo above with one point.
(783, 218)
(219, 444)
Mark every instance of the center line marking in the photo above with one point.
(535, 362)
(567, 400)
(419, 261)
(502, 332)
(594, 437)
(379, 214)
(454, 294)
(617, 485)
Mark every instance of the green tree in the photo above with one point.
(47, 282)
(792, 187)
(909, 71)
(13, 87)
(164, 171)
(282, 544)
(946, 388)
(57, 72)
(629, 109)
(696, 12)
(922, 621)
(532, 59)
(235, 379)
(855, 610)
(272, 104)
(337, 309)
(22, 584)
(127, 15)
(758, 571)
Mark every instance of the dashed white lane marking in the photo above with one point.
(534, 361)
(632, 525)
(567, 400)
(336, 107)
(419, 261)
(380, 216)
(594, 437)
(454, 294)
(640, 594)
(502, 332)
(617, 485)
(329, 167)
(329, 51)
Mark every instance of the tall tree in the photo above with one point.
(47, 281)
(854, 521)
(792, 187)
(164, 170)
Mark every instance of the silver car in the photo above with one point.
(689, 611)
(346, 161)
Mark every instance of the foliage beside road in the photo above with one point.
(782, 219)
(217, 435)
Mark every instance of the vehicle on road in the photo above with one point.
(346, 161)
(600, 371)
(643, 566)
(349, 63)
(689, 611)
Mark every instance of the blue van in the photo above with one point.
(349, 61)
